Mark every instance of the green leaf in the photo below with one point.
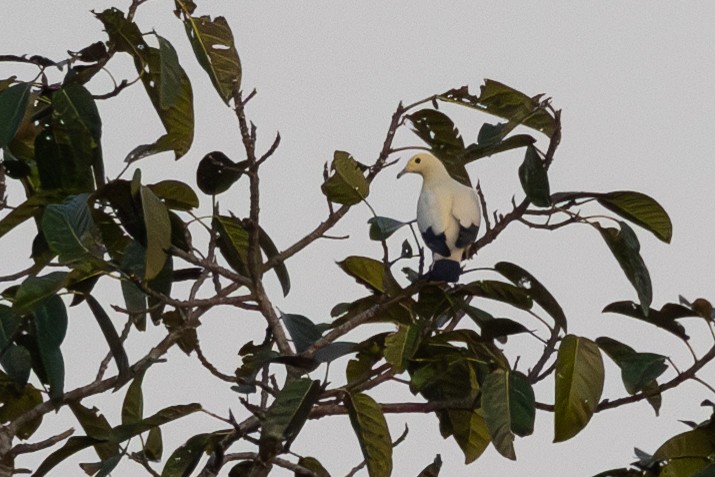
(526, 281)
(371, 273)
(175, 194)
(133, 405)
(287, 414)
(382, 227)
(185, 458)
(579, 385)
(232, 242)
(110, 334)
(373, 435)
(213, 44)
(347, 185)
(439, 132)
(158, 232)
(697, 443)
(638, 370)
(625, 248)
(470, 431)
(401, 346)
(170, 73)
(136, 300)
(503, 101)
(71, 447)
(302, 331)
(15, 359)
(50, 329)
(153, 447)
(216, 173)
(641, 210)
(77, 130)
(270, 249)
(34, 290)
(534, 178)
(663, 318)
(478, 151)
(312, 464)
(71, 232)
(16, 401)
(153, 65)
(96, 426)
(504, 292)
(28, 209)
(509, 408)
(13, 102)
(432, 470)
(127, 431)
(333, 351)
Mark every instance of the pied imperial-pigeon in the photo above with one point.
(448, 215)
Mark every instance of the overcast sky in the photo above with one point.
(635, 83)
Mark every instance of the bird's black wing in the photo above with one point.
(467, 235)
(436, 243)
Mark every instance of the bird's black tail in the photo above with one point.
(445, 270)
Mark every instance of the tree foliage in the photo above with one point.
(441, 340)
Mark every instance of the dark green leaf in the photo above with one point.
(509, 408)
(96, 426)
(501, 100)
(478, 151)
(333, 351)
(373, 435)
(625, 248)
(232, 242)
(178, 118)
(158, 232)
(524, 280)
(15, 359)
(433, 469)
(135, 299)
(13, 102)
(534, 178)
(401, 346)
(110, 334)
(127, 431)
(170, 73)
(347, 185)
(690, 449)
(439, 132)
(270, 249)
(71, 447)
(188, 339)
(287, 414)
(500, 291)
(500, 327)
(638, 370)
(133, 405)
(154, 447)
(302, 331)
(371, 273)
(382, 227)
(51, 327)
(641, 210)
(216, 173)
(30, 208)
(314, 465)
(18, 400)
(212, 41)
(35, 289)
(175, 194)
(71, 232)
(183, 461)
(579, 384)
(663, 318)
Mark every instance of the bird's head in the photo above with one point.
(423, 163)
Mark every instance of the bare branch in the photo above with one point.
(44, 444)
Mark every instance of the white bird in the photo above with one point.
(448, 215)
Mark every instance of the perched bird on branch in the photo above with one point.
(448, 215)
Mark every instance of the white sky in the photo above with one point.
(634, 81)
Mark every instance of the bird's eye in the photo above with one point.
(418, 160)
